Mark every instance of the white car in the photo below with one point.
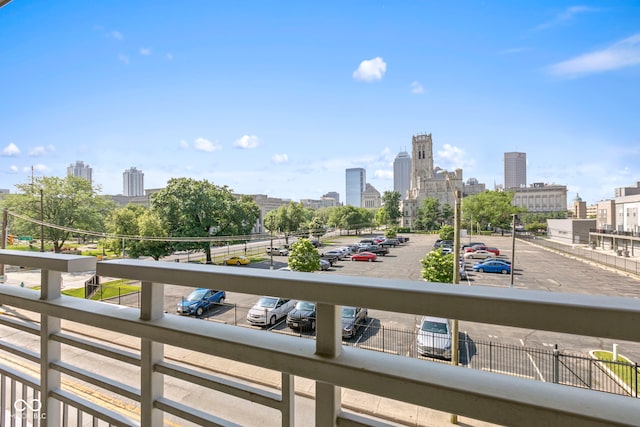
(268, 310)
(480, 254)
(434, 337)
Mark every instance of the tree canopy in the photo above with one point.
(303, 256)
(391, 207)
(489, 209)
(438, 267)
(67, 203)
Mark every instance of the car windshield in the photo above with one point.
(348, 312)
(267, 302)
(196, 295)
(434, 327)
(305, 305)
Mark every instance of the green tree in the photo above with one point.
(447, 232)
(316, 227)
(151, 226)
(193, 208)
(303, 256)
(437, 267)
(287, 219)
(351, 218)
(381, 218)
(124, 222)
(391, 206)
(429, 214)
(68, 203)
(489, 207)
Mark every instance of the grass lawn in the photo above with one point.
(107, 290)
(623, 368)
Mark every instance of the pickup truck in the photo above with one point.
(378, 250)
(278, 251)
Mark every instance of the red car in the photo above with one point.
(494, 250)
(364, 256)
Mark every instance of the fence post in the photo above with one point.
(490, 356)
(556, 364)
(383, 332)
(636, 395)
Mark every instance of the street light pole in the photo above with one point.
(41, 221)
(513, 247)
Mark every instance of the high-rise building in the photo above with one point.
(402, 174)
(356, 182)
(515, 170)
(334, 195)
(133, 183)
(80, 170)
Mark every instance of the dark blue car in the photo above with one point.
(200, 301)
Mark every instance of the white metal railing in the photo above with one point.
(481, 395)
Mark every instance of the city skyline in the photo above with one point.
(279, 100)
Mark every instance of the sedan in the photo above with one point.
(200, 300)
(493, 267)
(364, 256)
(237, 260)
(493, 249)
(434, 337)
(480, 254)
(324, 264)
(303, 316)
(268, 310)
(352, 319)
(494, 259)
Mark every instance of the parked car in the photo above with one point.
(493, 259)
(446, 249)
(364, 256)
(352, 319)
(367, 241)
(402, 239)
(237, 260)
(324, 264)
(493, 267)
(493, 249)
(375, 249)
(278, 251)
(463, 273)
(389, 242)
(199, 301)
(332, 255)
(316, 243)
(441, 242)
(268, 310)
(471, 244)
(434, 337)
(480, 254)
(303, 316)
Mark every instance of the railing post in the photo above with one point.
(49, 350)
(151, 352)
(329, 345)
(556, 364)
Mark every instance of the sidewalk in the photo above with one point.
(367, 404)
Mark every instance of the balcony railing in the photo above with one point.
(43, 397)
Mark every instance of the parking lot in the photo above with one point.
(534, 268)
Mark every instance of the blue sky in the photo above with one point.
(281, 97)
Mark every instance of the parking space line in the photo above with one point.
(534, 363)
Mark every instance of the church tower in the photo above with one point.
(421, 160)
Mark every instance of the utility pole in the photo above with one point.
(513, 247)
(5, 215)
(41, 220)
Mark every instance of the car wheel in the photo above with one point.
(221, 301)
(481, 270)
(353, 259)
(504, 271)
(238, 263)
(370, 259)
(199, 311)
(272, 321)
(313, 325)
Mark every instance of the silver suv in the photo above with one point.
(278, 251)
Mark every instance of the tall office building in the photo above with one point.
(133, 183)
(515, 170)
(356, 184)
(402, 174)
(80, 170)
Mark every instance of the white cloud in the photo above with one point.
(170, 56)
(370, 70)
(145, 51)
(625, 53)
(383, 174)
(202, 144)
(280, 158)
(123, 58)
(116, 35)
(565, 16)
(247, 141)
(416, 87)
(452, 157)
(11, 150)
(184, 144)
(41, 150)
